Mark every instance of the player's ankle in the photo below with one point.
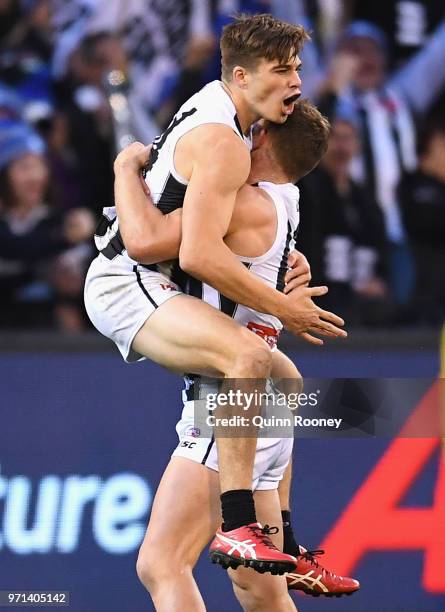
(238, 509)
(290, 546)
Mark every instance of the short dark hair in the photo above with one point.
(250, 38)
(300, 142)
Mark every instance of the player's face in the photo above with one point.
(273, 88)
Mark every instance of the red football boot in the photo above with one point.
(313, 579)
(250, 546)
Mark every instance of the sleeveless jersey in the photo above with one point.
(210, 105)
(270, 267)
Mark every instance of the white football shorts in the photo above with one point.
(120, 298)
(271, 458)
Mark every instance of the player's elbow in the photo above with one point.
(143, 248)
(190, 263)
(136, 249)
(193, 261)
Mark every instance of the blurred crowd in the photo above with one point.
(80, 78)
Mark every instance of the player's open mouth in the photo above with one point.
(289, 104)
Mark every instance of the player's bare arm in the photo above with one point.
(206, 247)
(148, 235)
(207, 212)
(208, 208)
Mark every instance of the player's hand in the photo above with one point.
(304, 318)
(299, 274)
(134, 157)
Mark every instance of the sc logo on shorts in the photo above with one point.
(186, 444)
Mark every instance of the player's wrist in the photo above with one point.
(278, 306)
(127, 166)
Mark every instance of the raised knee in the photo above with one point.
(254, 357)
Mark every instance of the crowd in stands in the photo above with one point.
(372, 213)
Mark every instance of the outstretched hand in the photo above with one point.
(304, 317)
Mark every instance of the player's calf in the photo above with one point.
(246, 371)
(168, 578)
(261, 593)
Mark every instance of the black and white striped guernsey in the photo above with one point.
(167, 187)
(210, 105)
(271, 267)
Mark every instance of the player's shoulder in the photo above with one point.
(255, 200)
(215, 118)
(210, 101)
(217, 141)
(254, 207)
(280, 191)
(254, 193)
(212, 98)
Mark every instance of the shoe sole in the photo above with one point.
(276, 568)
(315, 594)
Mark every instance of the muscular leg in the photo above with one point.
(184, 517)
(284, 488)
(187, 335)
(283, 367)
(178, 532)
(262, 593)
(285, 374)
